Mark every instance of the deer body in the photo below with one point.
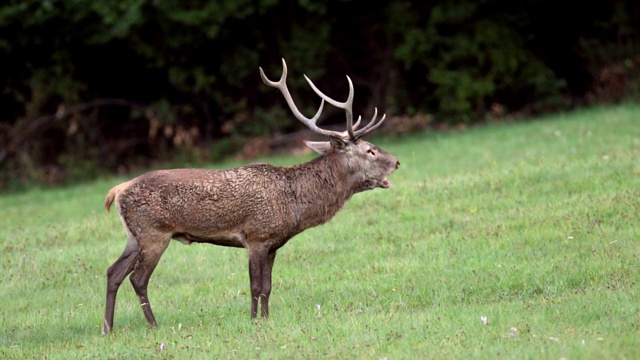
(258, 207)
(260, 202)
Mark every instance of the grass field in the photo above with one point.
(507, 241)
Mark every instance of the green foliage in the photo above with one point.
(532, 225)
(472, 58)
(192, 66)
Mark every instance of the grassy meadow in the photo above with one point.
(517, 240)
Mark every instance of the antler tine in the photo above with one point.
(347, 105)
(372, 125)
(355, 126)
(282, 86)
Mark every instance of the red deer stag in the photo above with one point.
(258, 207)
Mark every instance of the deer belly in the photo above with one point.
(231, 240)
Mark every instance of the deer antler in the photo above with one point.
(347, 106)
(282, 86)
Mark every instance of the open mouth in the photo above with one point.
(385, 184)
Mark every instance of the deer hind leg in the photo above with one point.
(115, 276)
(152, 245)
(260, 266)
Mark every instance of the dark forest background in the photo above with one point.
(95, 87)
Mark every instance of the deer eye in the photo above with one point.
(371, 152)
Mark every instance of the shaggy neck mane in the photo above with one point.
(320, 188)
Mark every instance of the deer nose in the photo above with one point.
(397, 164)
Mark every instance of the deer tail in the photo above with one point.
(111, 195)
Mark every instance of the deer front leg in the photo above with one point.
(266, 283)
(260, 265)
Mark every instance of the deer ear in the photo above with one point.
(318, 146)
(337, 142)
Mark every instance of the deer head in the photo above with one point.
(366, 163)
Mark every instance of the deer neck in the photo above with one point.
(320, 188)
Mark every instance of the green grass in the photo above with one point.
(533, 225)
